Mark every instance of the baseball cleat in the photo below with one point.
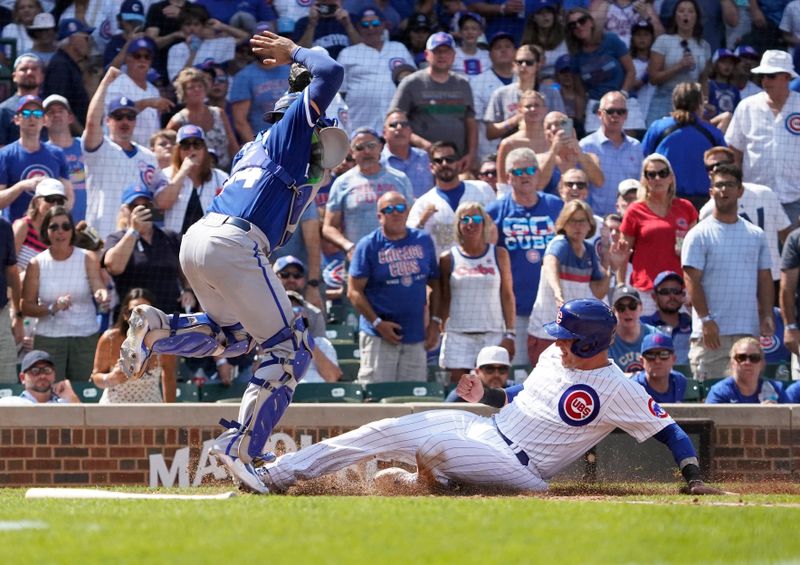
(248, 477)
(133, 353)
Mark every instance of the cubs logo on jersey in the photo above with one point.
(656, 410)
(579, 405)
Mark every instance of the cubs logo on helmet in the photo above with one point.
(579, 405)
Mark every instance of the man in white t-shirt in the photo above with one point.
(133, 85)
(765, 132)
(115, 161)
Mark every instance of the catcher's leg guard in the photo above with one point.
(287, 355)
(190, 335)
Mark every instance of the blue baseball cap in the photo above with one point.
(538, 5)
(70, 26)
(286, 261)
(657, 340)
(563, 63)
(501, 35)
(132, 11)
(134, 191)
(142, 43)
(121, 103)
(29, 99)
(370, 12)
(190, 131)
(464, 16)
(667, 275)
(722, 52)
(34, 357)
(745, 51)
(440, 39)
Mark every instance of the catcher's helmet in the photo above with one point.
(589, 322)
(281, 106)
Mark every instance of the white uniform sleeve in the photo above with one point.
(634, 411)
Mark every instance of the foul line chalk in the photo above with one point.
(97, 493)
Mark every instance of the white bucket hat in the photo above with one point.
(774, 61)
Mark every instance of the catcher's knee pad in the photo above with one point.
(278, 375)
(197, 335)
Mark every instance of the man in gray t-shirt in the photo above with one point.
(351, 211)
(439, 102)
(726, 261)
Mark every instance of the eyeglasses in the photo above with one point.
(661, 173)
(142, 56)
(488, 173)
(36, 371)
(494, 369)
(670, 291)
(712, 166)
(371, 23)
(726, 184)
(771, 76)
(662, 354)
(524, 171)
(752, 357)
(575, 24)
(580, 185)
(398, 124)
(392, 208)
(193, 144)
(615, 111)
(55, 199)
(445, 159)
(471, 219)
(291, 275)
(525, 62)
(130, 116)
(65, 226)
(365, 145)
(622, 306)
(27, 114)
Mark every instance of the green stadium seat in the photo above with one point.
(346, 349)
(778, 371)
(87, 392)
(707, 384)
(340, 332)
(519, 373)
(11, 389)
(214, 392)
(187, 392)
(328, 392)
(407, 391)
(685, 370)
(438, 375)
(349, 369)
(694, 391)
(343, 314)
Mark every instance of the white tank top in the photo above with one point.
(475, 304)
(57, 278)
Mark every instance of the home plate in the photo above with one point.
(98, 493)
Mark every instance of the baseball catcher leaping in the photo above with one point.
(224, 257)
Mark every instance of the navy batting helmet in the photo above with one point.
(589, 322)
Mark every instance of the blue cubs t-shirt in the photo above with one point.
(628, 354)
(677, 387)
(600, 70)
(262, 87)
(397, 273)
(17, 163)
(525, 233)
(77, 176)
(726, 392)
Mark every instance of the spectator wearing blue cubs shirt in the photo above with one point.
(658, 378)
(793, 393)
(746, 386)
(58, 118)
(626, 351)
(28, 160)
(389, 275)
(525, 220)
(669, 295)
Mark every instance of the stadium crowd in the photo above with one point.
(505, 157)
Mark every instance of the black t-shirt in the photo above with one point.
(156, 18)
(151, 266)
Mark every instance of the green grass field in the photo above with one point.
(604, 525)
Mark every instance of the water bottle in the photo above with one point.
(768, 393)
(27, 341)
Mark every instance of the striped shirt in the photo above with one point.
(31, 247)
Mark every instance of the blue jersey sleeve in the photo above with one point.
(327, 77)
(679, 444)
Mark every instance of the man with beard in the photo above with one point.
(38, 375)
(28, 76)
(726, 265)
(669, 294)
(434, 211)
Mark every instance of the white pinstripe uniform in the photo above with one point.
(556, 418)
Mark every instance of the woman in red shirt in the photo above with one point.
(655, 226)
